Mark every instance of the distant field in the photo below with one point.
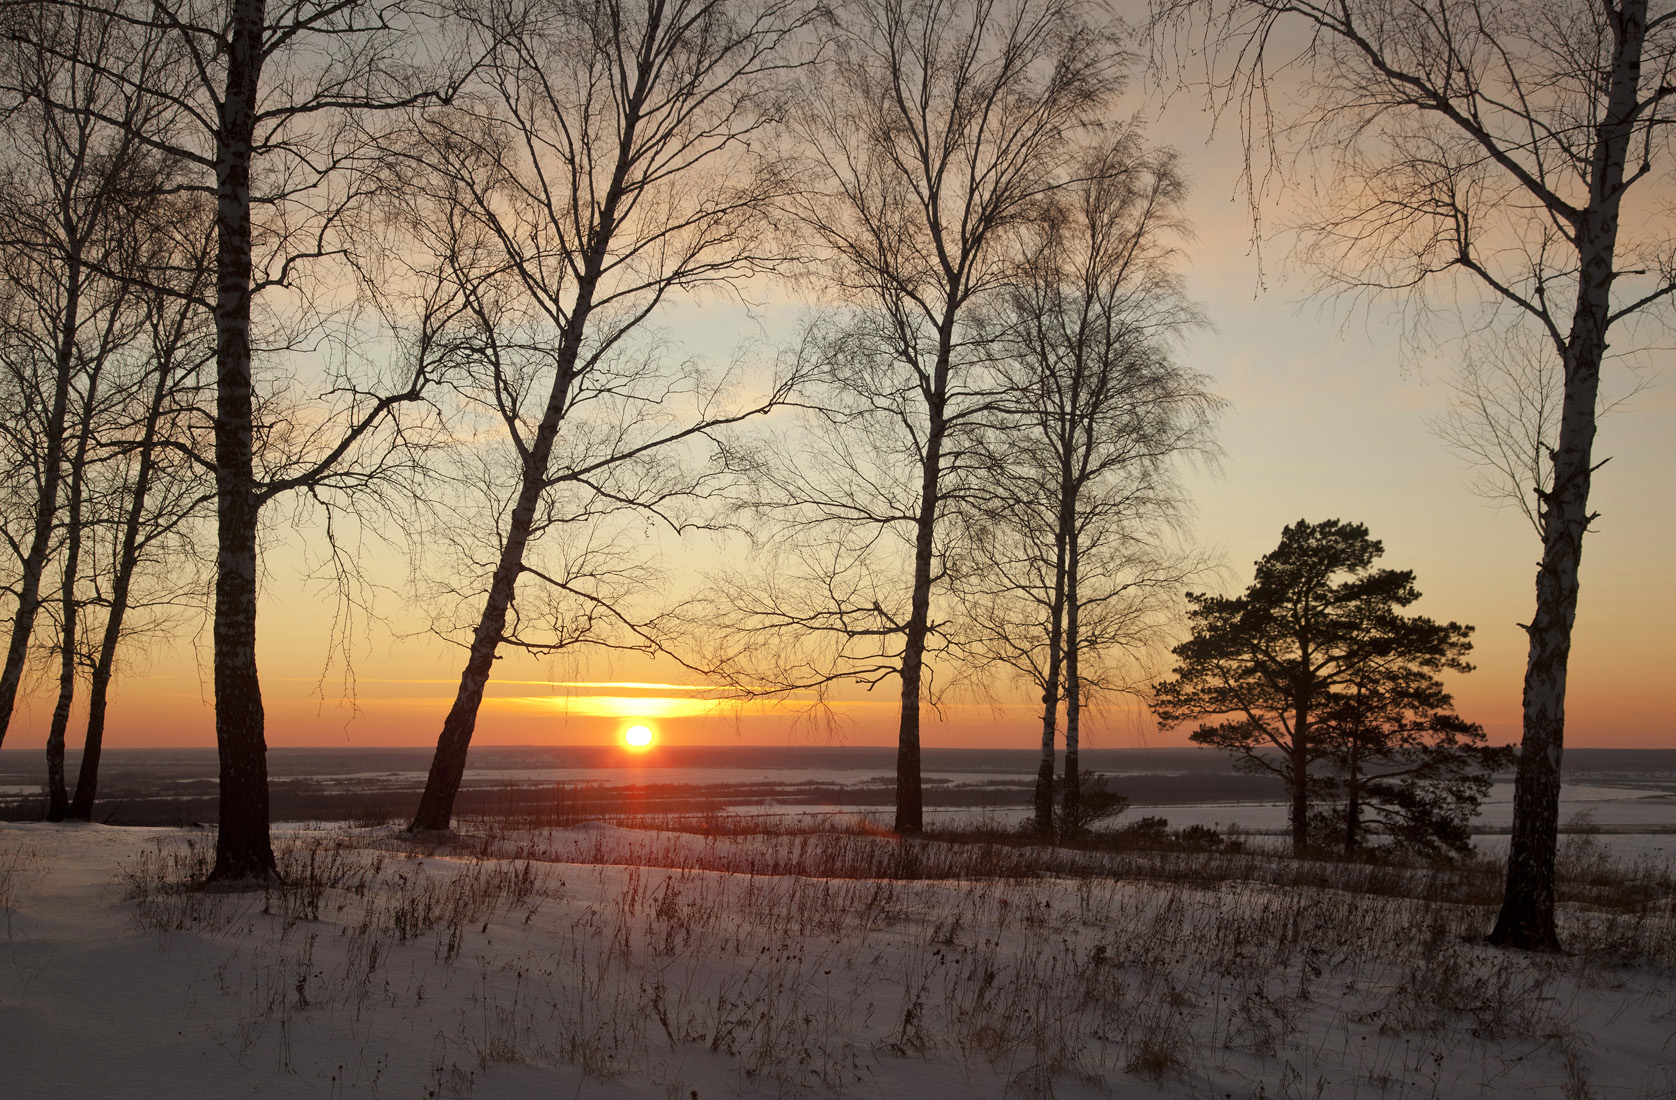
(1619, 792)
(173, 786)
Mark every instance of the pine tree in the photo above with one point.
(1274, 674)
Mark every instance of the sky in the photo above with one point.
(1328, 418)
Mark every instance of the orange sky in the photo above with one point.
(1327, 421)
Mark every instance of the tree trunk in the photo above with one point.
(58, 798)
(46, 504)
(1526, 919)
(448, 765)
(1352, 801)
(1072, 806)
(1050, 690)
(243, 847)
(87, 781)
(910, 797)
(1300, 781)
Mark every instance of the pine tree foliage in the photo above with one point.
(1318, 675)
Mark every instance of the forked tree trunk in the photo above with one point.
(58, 797)
(243, 847)
(1526, 919)
(87, 780)
(46, 502)
(1072, 809)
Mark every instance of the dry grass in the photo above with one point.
(17, 862)
(810, 960)
(1589, 877)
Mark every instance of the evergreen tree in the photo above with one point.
(1403, 764)
(1290, 673)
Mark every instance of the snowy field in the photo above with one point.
(599, 962)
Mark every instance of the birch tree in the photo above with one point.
(71, 152)
(936, 131)
(1077, 565)
(1514, 152)
(609, 158)
(155, 497)
(267, 113)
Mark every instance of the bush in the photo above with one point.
(1095, 803)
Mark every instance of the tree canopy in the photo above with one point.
(1318, 660)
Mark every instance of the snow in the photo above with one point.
(613, 963)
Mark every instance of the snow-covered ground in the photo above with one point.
(600, 962)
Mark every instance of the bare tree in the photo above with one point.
(938, 128)
(70, 569)
(1497, 145)
(267, 113)
(155, 495)
(604, 161)
(1078, 502)
(64, 218)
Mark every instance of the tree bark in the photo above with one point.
(1300, 781)
(243, 847)
(910, 796)
(1072, 809)
(58, 798)
(1527, 919)
(1050, 688)
(87, 780)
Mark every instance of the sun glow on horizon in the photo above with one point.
(638, 737)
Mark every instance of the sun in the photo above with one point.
(638, 737)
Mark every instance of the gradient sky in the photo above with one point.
(1327, 420)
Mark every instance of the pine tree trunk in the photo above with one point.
(1526, 919)
(46, 503)
(243, 847)
(1300, 781)
(1072, 806)
(1352, 802)
(87, 780)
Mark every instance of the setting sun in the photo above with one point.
(638, 737)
